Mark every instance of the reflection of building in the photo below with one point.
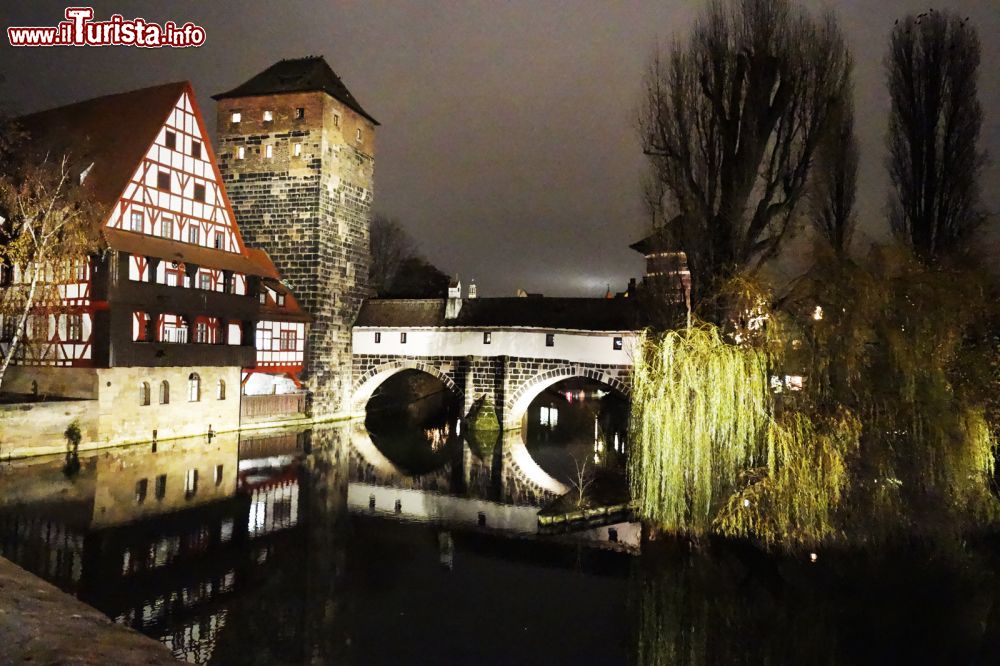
(157, 329)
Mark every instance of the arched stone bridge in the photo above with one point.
(508, 363)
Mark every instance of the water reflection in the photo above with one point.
(291, 548)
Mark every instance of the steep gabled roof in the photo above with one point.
(112, 132)
(311, 74)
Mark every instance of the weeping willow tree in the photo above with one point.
(889, 439)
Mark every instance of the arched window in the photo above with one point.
(164, 393)
(194, 387)
(220, 390)
(144, 393)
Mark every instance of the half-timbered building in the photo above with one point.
(161, 326)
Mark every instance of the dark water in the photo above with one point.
(276, 556)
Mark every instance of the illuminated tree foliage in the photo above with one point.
(889, 439)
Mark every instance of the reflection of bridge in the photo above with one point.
(506, 350)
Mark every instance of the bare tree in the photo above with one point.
(391, 246)
(46, 230)
(934, 126)
(835, 180)
(731, 121)
(582, 481)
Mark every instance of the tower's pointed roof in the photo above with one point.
(311, 74)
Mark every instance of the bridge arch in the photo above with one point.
(368, 383)
(520, 400)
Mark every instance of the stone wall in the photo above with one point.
(36, 428)
(310, 213)
(62, 382)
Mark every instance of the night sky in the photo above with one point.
(508, 145)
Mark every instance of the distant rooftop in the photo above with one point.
(310, 74)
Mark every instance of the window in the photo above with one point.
(336, 120)
(378, 337)
(218, 474)
(140, 490)
(262, 297)
(204, 280)
(6, 274)
(286, 341)
(200, 336)
(194, 387)
(80, 270)
(164, 393)
(297, 150)
(190, 483)
(9, 324)
(402, 338)
(171, 140)
(268, 116)
(199, 193)
(161, 486)
(194, 235)
(281, 300)
(219, 240)
(220, 390)
(617, 343)
(357, 135)
(163, 180)
(74, 328)
(196, 149)
(268, 151)
(236, 117)
(136, 220)
(487, 337)
(144, 394)
(167, 227)
(550, 339)
(300, 113)
(40, 327)
(241, 152)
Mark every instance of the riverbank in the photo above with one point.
(41, 624)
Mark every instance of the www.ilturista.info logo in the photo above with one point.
(80, 30)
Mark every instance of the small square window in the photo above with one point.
(237, 117)
(170, 139)
(487, 337)
(194, 235)
(161, 485)
(196, 149)
(136, 220)
(268, 116)
(402, 338)
(300, 113)
(219, 240)
(378, 337)
(297, 150)
(199, 193)
(163, 180)
(268, 151)
(550, 339)
(617, 343)
(241, 152)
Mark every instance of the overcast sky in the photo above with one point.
(508, 145)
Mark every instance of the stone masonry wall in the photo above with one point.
(310, 213)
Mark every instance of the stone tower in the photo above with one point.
(297, 153)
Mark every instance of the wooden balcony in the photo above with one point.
(272, 407)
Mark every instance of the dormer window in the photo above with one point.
(237, 117)
(268, 116)
(170, 140)
(196, 149)
(281, 300)
(300, 113)
(262, 297)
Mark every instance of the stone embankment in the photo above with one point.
(40, 624)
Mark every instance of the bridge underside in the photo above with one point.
(509, 383)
